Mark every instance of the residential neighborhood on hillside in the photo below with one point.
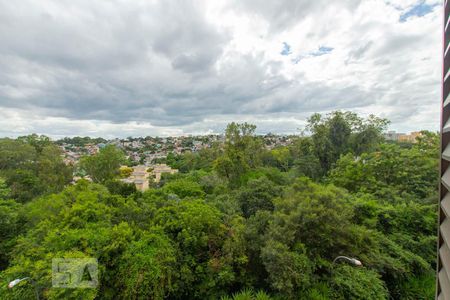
(150, 150)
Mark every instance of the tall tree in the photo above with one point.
(104, 165)
(342, 132)
(31, 166)
(242, 152)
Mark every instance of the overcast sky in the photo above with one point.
(119, 68)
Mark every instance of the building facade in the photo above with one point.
(402, 137)
(443, 266)
(139, 177)
(159, 169)
(142, 175)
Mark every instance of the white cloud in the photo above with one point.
(117, 68)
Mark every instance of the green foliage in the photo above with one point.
(39, 142)
(72, 224)
(32, 166)
(10, 222)
(184, 188)
(242, 152)
(320, 291)
(248, 294)
(201, 160)
(417, 288)
(357, 283)
(207, 254)
(52, 171)
(257, 195)
(317, 216)
(121, 188)
(104, 165)
(147, 267)
(81, 141)
(283, 158)
(5, 191)
(237, 222)
(390, 172)
(342, 132)
(15, 154)
(125, 172)
(289, 269)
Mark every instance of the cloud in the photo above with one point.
(170, 67)
(282, 14)
(321, 51)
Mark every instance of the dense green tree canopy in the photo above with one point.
(342, 132)
(32, 166)
(239, 221)
(242, 151)
(104, 165)
(391, 171)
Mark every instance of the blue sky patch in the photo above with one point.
(419, 10)
(322, 51)
(286, 49)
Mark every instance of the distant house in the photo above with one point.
(139, 177)
(402, 137)
(159, 169)
(142, 174)
(392, 136)
(91, 149)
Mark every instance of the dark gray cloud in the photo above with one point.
(178, 64)
(124, 66)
